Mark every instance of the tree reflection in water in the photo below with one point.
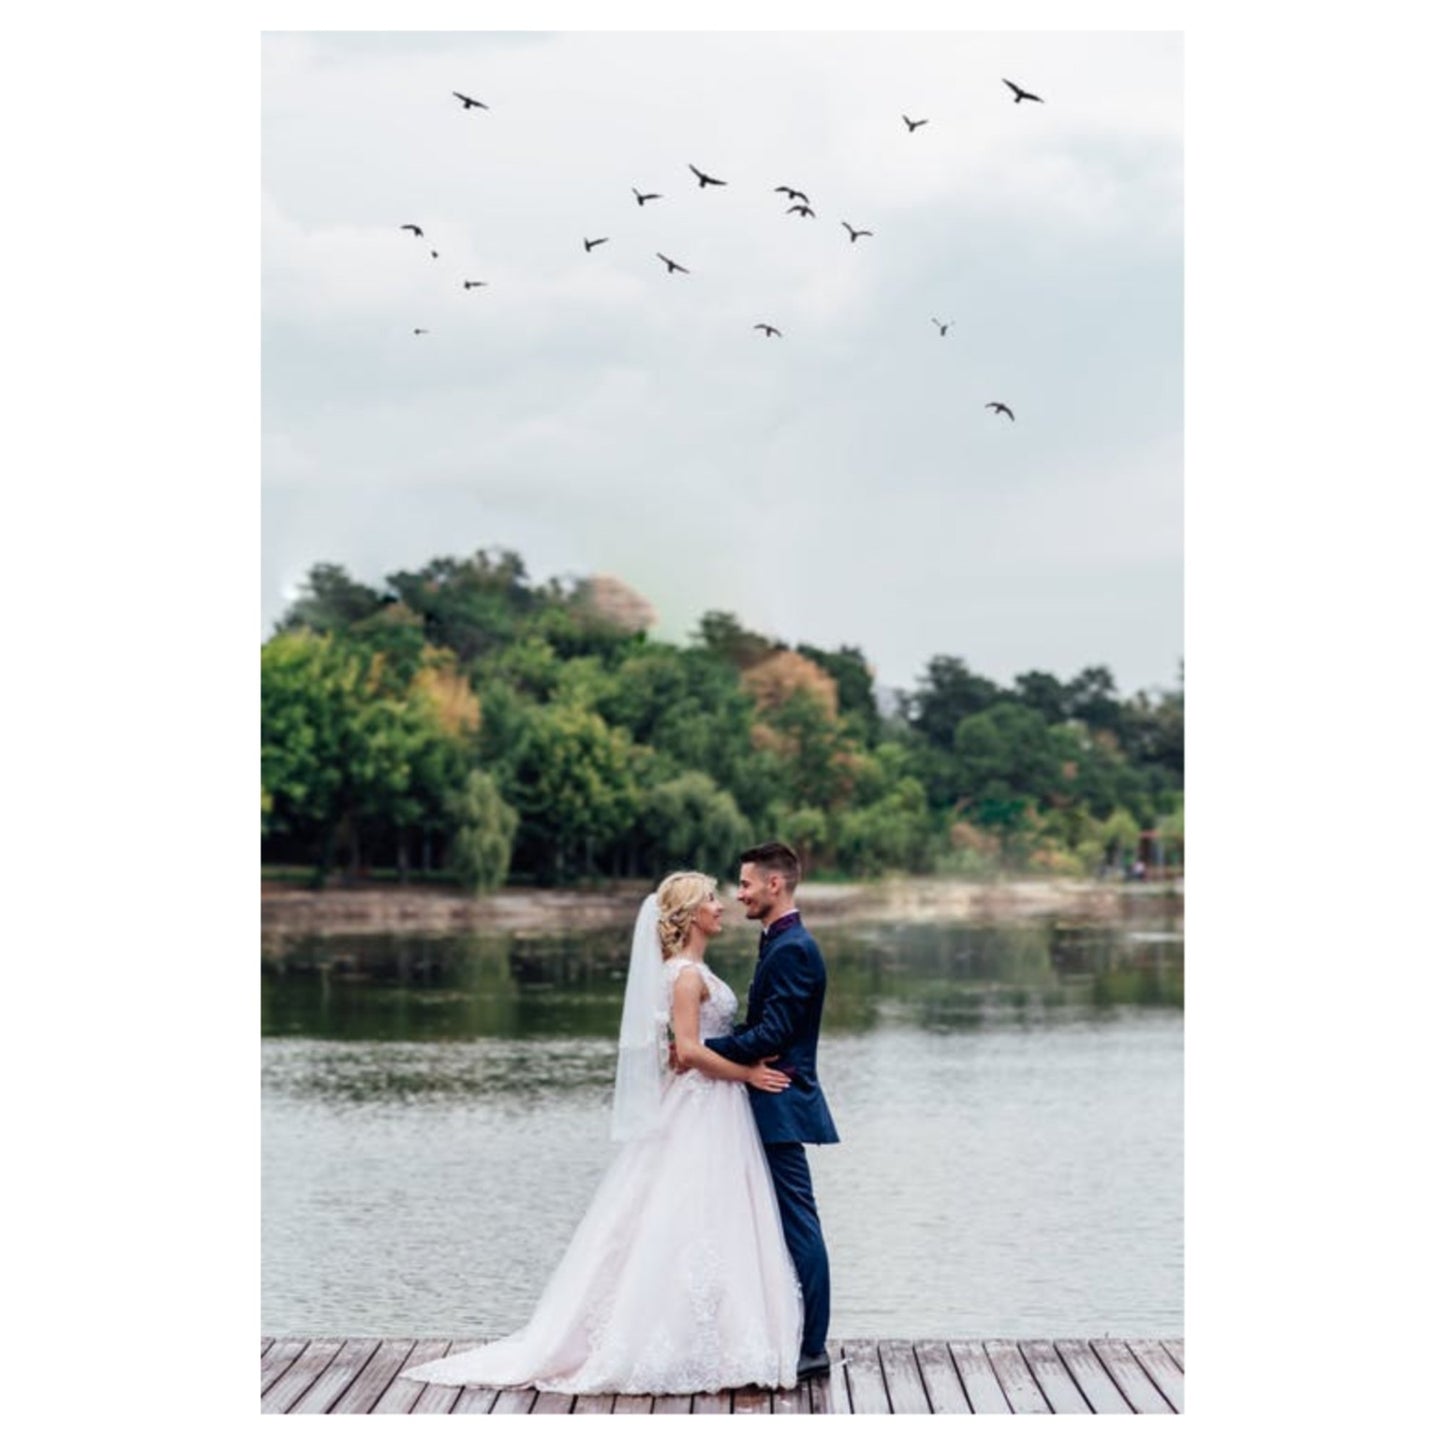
(569, 986)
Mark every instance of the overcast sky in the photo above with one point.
(842, 484)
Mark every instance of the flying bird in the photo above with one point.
(467, 285)
(436, 255)
(417, 229)
(418, 331)
(672, 265)
(802, 210)
(791, 194)
(703, 180)
(998, 407)
(913, 124)
(852, 234)
(590, 244)
(766, 329)
(468, 102)
(942, 325)
(650, 196)
(1020, 94)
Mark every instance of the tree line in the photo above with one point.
(467, 721)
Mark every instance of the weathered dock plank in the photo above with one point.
(1019, 1386)
(350, 1360)
(940, 1379)
(277, 1360)
(865, 1378)
(593, 1405)
(1168, 1378)
(828, 1395)
(442, 1399)
(1053, 1378)
(980, 1383)
(1094, 1381)
(902, 1378)
(361, 1376)
(475, 1400)
(514, 1401)
(302, 1374)
(1135, 1386)
(435, 1400)
(752, 1400)
(400, 1395)
(361, 1395)
(792, 1402)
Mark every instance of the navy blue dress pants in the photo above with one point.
(803, 1232)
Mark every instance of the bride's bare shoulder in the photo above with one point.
(687, 978)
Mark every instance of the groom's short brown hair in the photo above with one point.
(776, 858)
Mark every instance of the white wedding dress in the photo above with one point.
(678, 1279)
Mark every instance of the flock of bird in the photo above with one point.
(801, 207)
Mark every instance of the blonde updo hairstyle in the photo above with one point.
(679, 896)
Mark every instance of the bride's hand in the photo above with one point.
(770, 1081)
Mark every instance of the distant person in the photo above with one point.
(678, 1280)
(1139, 873)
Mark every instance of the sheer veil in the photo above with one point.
(642, 1041)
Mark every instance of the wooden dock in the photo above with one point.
(870, 1377)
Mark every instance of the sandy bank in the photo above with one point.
(288, 910)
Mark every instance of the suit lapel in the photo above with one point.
(755, 988)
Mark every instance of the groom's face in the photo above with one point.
(757, 891)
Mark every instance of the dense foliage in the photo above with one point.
(467, 720)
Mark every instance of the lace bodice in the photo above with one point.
(718, 1009)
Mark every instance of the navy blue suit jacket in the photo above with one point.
(785, 1010)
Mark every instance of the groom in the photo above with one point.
(785, 1008)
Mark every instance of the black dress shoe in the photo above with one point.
(810, 1367)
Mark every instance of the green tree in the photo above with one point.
(304, 705)
(617, 751)
(398, 634)
(331, 601)
(1107, 843)
(1044, 693)
(473, 606)
(1007, 747)
(485, 828)
(689, 822)
(1152, 732)
(576, 784)
(723, 634)
(891, 834)
(689, 706)
(856, 700)
(1092, 699)
(805, 830)
(529, 665)
(950, 693)
(350, 753)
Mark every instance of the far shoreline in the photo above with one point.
(289, 910)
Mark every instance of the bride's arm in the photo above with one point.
(693, 1053)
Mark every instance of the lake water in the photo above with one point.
(1010, 1100)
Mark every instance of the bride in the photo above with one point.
(678, 1279)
